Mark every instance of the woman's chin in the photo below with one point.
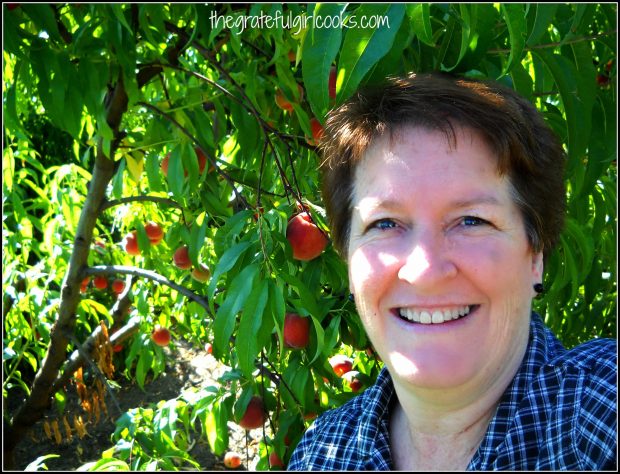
(429, 371)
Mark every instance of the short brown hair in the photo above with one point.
(527, 149)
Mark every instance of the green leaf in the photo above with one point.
(320, 338)
(176, 173)
(198, 234)
(419, 13)
(296, 377)
(570, 267)
(364, 47)
(564, 75)
(248, 131)
(307, 297)
(42, 15)
(466, 23)
(320, 47)
(11, 38)
(514, 15)
(216, 430)
(545, 12)
(143, 366)
(522, 81)
(236, 298)
(583, 246)
(225, 263)
(583, 11)
(246, 341)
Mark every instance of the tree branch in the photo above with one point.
(165, 201)
(156, 277)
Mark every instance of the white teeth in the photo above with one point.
(436, 316)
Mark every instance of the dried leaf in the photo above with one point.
(57, 435)
(46, 428)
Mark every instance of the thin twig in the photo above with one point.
(557, 43)
(219, 170)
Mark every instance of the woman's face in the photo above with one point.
(439, 261)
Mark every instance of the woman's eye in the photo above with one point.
(383, 224)
(470, 221)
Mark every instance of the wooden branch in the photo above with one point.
(156, 277)
(159, 200)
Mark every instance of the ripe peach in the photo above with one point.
(100, 282)
(305, 238)
(181, 258)
(317, 132)
(154, 232)
(202, 273)
(130, 242)
(118, 286)
(310, 416)
(84, 285)
(283, 102)
(254, 415)
(232, 460)
(602, 80)
(202, 162)
(274, 460)
(296, 331)
(341, 364)
(351, 377)
(160, 336)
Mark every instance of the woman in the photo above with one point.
(445, 195)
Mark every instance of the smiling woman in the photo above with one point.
(445, 196)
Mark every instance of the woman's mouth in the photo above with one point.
(435, 315)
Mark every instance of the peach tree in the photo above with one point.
(168, 146)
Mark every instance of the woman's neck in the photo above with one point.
(423, 440)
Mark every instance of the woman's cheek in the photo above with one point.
(367, 265)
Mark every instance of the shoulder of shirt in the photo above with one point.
(596, 357)
(339, 428)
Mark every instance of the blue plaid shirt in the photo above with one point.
(559, 413)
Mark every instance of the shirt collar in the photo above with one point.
(374, 426)
(542, 347)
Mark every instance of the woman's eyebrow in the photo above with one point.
(387, 203)
(485, 199)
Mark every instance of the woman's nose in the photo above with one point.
(426, 265)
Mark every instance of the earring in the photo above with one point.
(351, 297)
(539, 288)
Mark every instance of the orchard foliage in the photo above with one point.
(97, 96)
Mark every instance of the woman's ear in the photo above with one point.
(537, 271)
(537, 267)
